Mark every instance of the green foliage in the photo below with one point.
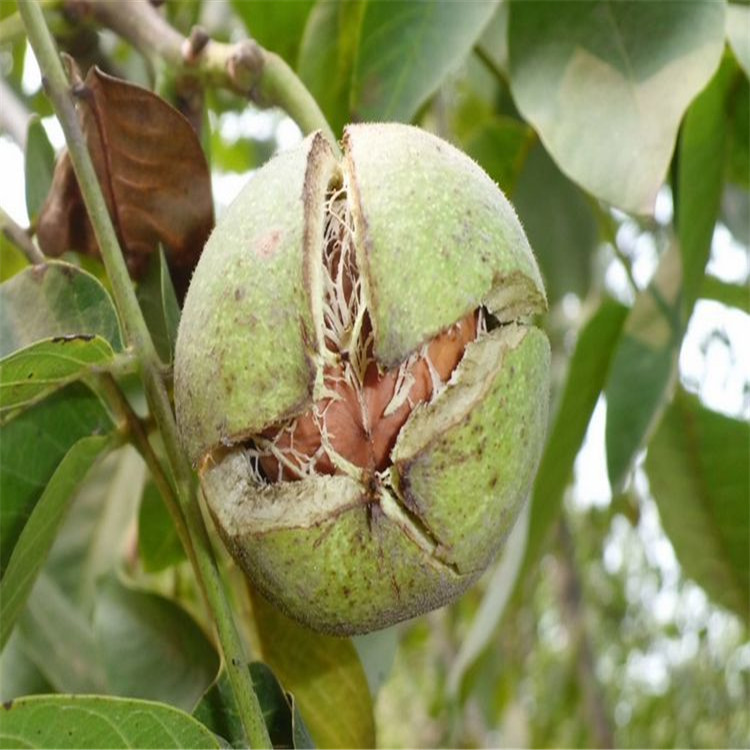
(39, 531)
(620, 131)
(324, 674)
(218, 711)
(40, 164)
(93, 722)
(150, 647)
(586, 72)
(699, 473)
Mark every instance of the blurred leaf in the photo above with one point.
(559, 223)
(277, 26)
(29, 374)
(501, 146)
(159, 305)
(324, 674)
(643, 367)
(738, 156)
(326, 56)
(738, 33)
(18, 674)
(150, 647)
(34, 542)
(407, 49)
(587, 372)
(606, 84)
(735, 212)
(732, 295)
(54, 300)
(240, 155)
(494, 41)
(158, 543)
(153, 173)
(59, 640)
(50, 721)
(218, 711)
(12, 260)
(32, 446)
(701, 171)
(376, 652)
(39, 165)
(99, 530)
(499, 589)
(698, 469)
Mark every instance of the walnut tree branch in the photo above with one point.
(244, 67)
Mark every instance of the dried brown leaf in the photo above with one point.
(153, 174)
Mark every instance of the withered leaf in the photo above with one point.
(153, 174)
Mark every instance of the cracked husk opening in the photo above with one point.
(358, 408)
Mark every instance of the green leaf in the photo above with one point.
(54, 721)
(95, 538)
(732, 295)
(18, 674)
(52, 300)
(30, 374)
(326, 56)
(159, 305)
(586, 376)
(158, 543)
(58, 638)
(34, 542)
(501, 146)
(559, 223)
(277, 26)
(698, 469)
(701, 171)
(643, 367)
(217, 710)
(150, 647)
(12, 260)
(606, 84)
(32, 446)
(738, 34)
(738, 151)
(407, 49)
(39, 165)
(324, 674)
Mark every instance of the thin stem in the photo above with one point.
(18, 236)
(137, 335)
(494, 69)
(114, 396)
(279, 85)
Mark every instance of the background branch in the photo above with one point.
(243, 67)
(571, 602)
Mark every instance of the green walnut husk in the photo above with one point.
(434, 240)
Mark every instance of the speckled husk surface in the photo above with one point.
(435, 239)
